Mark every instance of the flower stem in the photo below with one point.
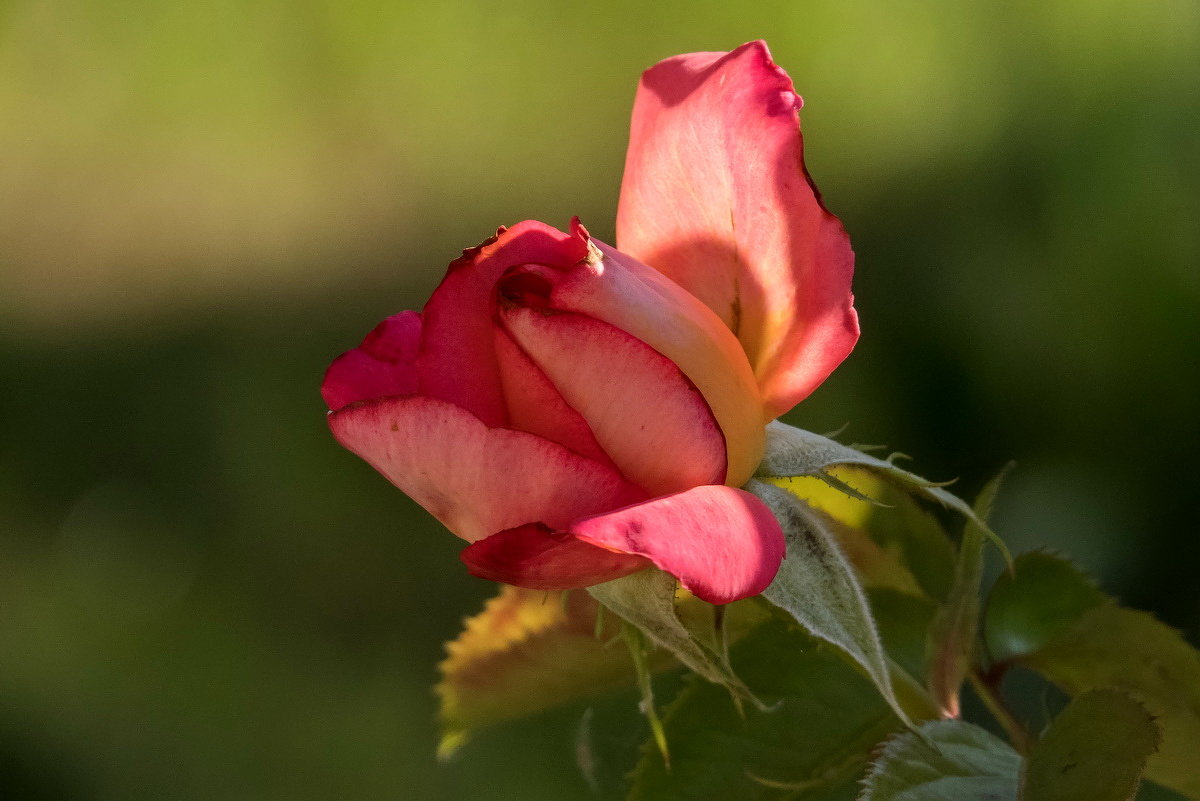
(987, 687)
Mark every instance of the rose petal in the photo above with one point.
(534, 405)
(476, 480)
(457, 362)
(647, 416)
(716, 196)
(722, 543)
(384, 364)
(645, 304)
(536, 557)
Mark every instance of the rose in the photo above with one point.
(576, 415)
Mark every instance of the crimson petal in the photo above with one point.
(539, 558)
(722, 543)
(384, 364)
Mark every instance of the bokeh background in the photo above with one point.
(202, 203)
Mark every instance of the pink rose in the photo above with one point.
(576, 415)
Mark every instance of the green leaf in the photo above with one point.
(647, 600)
(955, 628)
(795, 452)
(1050, 618)
(903, 622)
(821, 721)
(819, 589)
(1095, 750)
(1036, 602)
(954, 762)
(612, 734)
(1115, 647)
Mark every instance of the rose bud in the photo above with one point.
(576, 415)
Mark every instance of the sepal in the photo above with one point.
(793, 452)
(817, 587)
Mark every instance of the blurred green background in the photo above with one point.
(203, 597)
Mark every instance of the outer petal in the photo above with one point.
(716, 196)
(457, 362)
(722, 543)
(476, 480)
(384, 364)
(539, 558)
(649, 418)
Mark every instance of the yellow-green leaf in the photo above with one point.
(526, 651)
(1125, 648)
(1095, 750)
(1048, 616)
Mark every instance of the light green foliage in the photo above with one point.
(1050, 618)
(947, 761)
(819, 589)
(1095, 750)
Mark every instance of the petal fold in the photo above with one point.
(457, 361)
(645, 413)
(539, 558)
(384, 364)
(722, 543)
(474, 479)
(536, 406)
(654, 309)
(716, 196)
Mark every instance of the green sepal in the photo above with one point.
(818, 588)
(647, 601)
(795, 452)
